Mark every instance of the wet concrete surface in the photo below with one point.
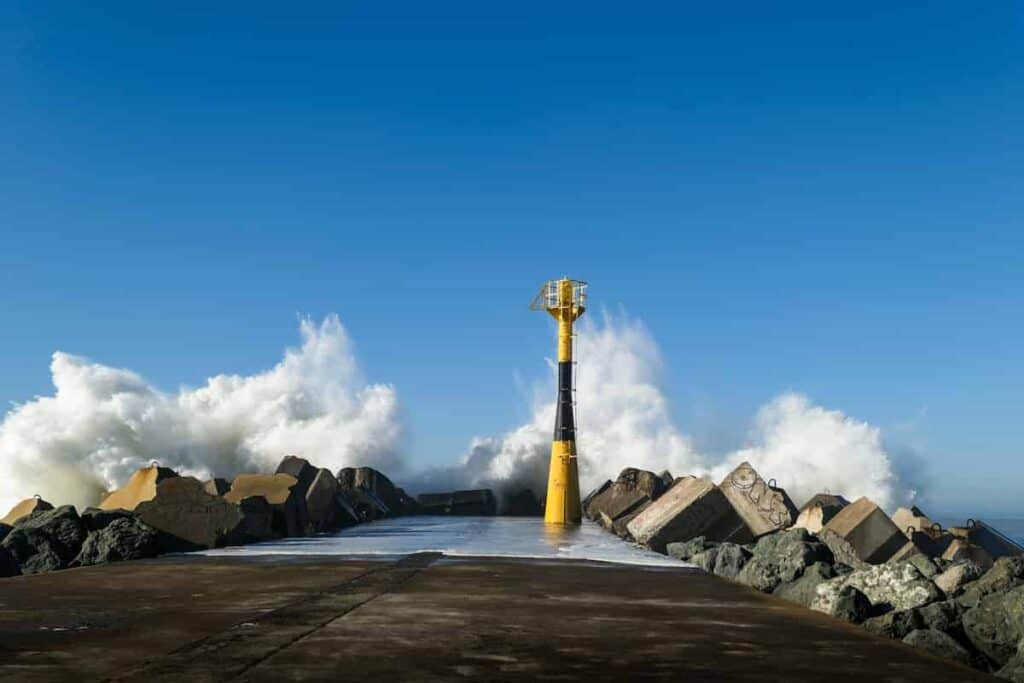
(426, 617)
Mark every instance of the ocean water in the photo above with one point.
(499, 537)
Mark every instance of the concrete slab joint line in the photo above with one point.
(229, 654)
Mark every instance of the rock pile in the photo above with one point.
(956, 593)
(157, 511)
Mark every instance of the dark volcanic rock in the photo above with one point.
(4, 530)
(1014, 669)
(730, 560)
(996, 625)
(888, 586)
(939, 644)
(124, 538)
(782, 558)
(842, 550)
(895, 625)
(96, 519)
(851, 605)
(684, 550)
(802, 591)
(8, 565)
(946, 616)
(954, 578)
(1006, 573)
(523, 504)
(46, 540)
(725, 560)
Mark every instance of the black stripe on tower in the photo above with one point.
(565, 422)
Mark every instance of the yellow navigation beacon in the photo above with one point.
(565, 300)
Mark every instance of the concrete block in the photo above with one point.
(762, 508)
(217, 486)
(692, 507)
(819, 511)
(913, 520)
(24, 509)
(988, 539)
(189, 517)
(281, 491)
(139, 488)
(368, 479)
(631, 489)
(474, 502)
(322, 503)
(867, 528)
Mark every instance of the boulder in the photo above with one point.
(1006, 573)
(888, 587)
(96, 519)
(954, 578)
(633, 489)
(124, 538)
(1014, 670)
(896, 624)
(141, 486)
(217, 486)
(996, 626)
(46, 540)
(867, 528)
(692, 507)
(938, 644)
(523, 504)
(8, 564)
(842, 550)
(4, 530)
(850, 605)
(762, 508)
(282, 492)
(803, 590)
(189, 518)
(945, 616)
(685, 550)
(706, 560)
(782, 558)
(24, 509)
(368, 479)
(729, 560)
(925, 565)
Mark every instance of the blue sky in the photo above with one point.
(812, 197)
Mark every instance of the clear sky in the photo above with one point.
(822, 197)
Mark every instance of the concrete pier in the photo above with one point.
(426, 617)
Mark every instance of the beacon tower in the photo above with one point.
(565, 300)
